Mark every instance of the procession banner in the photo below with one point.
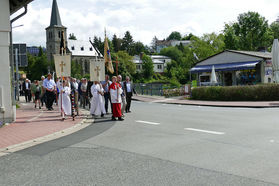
(62, 65)
(97, 70)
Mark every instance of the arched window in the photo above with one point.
(59, 34)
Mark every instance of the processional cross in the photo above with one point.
(97, 69)
(62, 65)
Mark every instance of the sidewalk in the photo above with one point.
(182, 101)
(33, 123)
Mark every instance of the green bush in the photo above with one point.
(263, 92)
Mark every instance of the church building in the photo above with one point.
(81, 51)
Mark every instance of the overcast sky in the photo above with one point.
(143, 18)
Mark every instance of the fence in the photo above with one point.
(149, 89)
(159, 89)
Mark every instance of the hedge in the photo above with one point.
(263, 92)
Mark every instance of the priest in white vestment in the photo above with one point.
(97, 103)
(64, 99)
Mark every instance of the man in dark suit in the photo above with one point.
(129, 89)
(26, 87)
(89, 85)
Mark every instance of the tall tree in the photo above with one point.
(174, 36)
(250, 32)
(116, 42)
(147, 67)
(127, 42)
(99, 44)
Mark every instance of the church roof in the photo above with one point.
(81, 48)
(55, 16)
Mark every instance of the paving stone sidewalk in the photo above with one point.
(181, 100)
(33, 123)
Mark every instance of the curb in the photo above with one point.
(208, 105)
(17, 147)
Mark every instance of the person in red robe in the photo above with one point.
(115, 93)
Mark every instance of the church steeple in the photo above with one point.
(54, 32)
(55, 16)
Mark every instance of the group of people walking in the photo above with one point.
(67, 92)
(117, 92)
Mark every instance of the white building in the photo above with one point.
(159, 63)
(7, 105)
(82, 53)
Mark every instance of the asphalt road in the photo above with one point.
(158, 144)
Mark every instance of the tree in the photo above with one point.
(76, 69)
(184, 57)
(274, 29)
(126, 66)
(250, 32)
(99, 44)
(188, 37)
(174, 36)
(127, 42)
(147, 67)
(137, 48)
(37, 65)
(72, 37)
(116, 42)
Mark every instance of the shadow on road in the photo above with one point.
(98, 127)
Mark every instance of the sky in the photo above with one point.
(143, 18)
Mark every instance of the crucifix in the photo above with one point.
(116, 65)
(97, 69)
(62, 65)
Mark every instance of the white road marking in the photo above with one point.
(164, 104)
(147, 122)
(180, 105)
(24, 104)
(162, 100)
(272, 141)
(205, 131)
(32, 119)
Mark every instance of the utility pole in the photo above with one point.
(17, 75)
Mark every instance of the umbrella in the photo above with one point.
(275, 60)
(213, 79)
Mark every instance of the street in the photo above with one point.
(157, 144)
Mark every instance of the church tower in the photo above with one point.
(54, 32)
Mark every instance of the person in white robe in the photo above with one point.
(64, 99)
(97, 102)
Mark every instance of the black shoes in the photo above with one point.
(113, 119)
(120, 119)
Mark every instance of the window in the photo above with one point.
(138, 67)
(59, 34)
(50, 35)
(159, 66)
(91, 49)
(82, 48)
(73, 48)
